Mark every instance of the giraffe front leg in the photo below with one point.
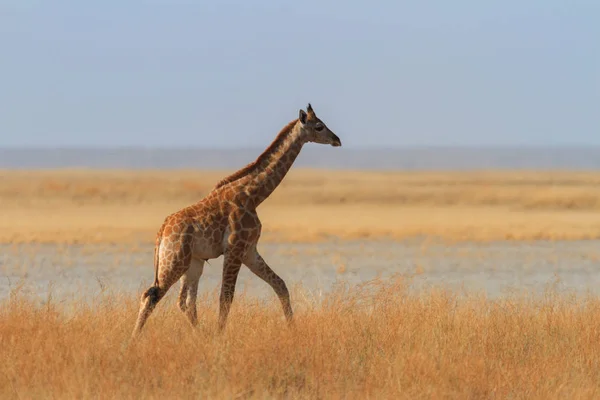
(259, 267)
(231, 268)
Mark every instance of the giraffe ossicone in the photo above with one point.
(225, 222)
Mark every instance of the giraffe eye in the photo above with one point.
(319, 128)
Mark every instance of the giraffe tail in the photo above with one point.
(152, 292)
(156, 248)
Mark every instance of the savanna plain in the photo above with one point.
(480, 284)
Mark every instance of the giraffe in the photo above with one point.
(225, 222)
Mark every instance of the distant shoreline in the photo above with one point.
(401, 158)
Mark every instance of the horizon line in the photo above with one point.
(364, 147)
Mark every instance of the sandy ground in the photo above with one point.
(496, 269)
(114, 206)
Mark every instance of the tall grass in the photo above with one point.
(373, 341)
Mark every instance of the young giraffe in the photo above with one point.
(225, 223)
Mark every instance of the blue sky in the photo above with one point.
(232, 73)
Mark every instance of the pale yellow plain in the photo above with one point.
(114, 206)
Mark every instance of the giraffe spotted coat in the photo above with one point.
(225, 222)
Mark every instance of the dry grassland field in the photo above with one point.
(128, 206)
(405, 285)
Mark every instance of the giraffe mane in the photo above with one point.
(272, 148)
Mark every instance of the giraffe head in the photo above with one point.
(315, 130)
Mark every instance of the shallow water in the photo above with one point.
(495, 269)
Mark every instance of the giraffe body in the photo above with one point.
(225, 222)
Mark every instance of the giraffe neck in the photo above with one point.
(271, 170)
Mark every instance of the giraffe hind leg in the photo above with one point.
(189, 290)
(182, 299)
(149, 300)
(170, 270)
(154, 294)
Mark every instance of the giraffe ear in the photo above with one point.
(302, 116)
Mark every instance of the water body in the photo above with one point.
(417, 158)
(496, 269)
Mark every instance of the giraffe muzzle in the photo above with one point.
(335, 142)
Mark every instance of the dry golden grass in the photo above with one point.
(66, 206)
(374, 341)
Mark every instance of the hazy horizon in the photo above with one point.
(259, 148)
(313, 156)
